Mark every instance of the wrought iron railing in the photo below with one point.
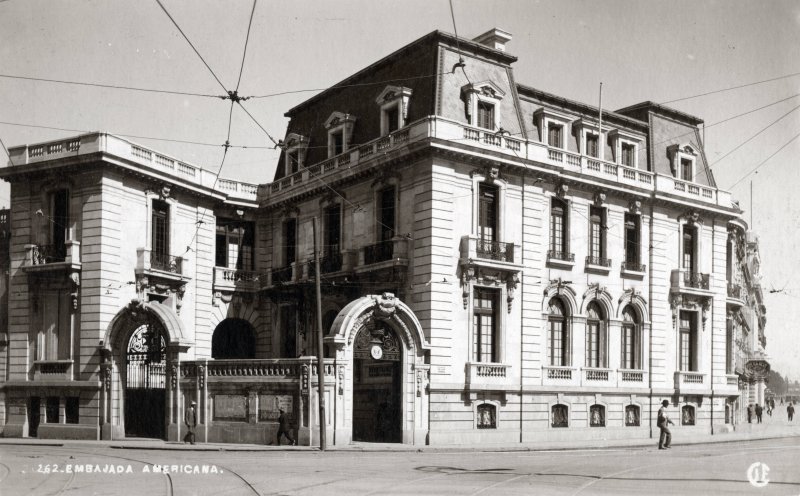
(599, 261)
(282, 275)
(167, 263)
(379, 252)
(695, 280)
(634, 266)
(734, 291)
(560, 255)
(495, 250)
(44, 254)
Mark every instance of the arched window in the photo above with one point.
(631, 340)
(557, 334)
(597, 416)
(595, 337)
(560, 416)
(632, 416)
(233, 338)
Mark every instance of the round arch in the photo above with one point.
(563, 291)
(126, 320)
(233, 339)
(639, 304)
(600, 296)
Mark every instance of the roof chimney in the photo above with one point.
(494, 38)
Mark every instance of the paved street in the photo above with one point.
(720, 468)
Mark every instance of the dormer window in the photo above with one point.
(340, 132)
(683, 160)
(295, 146)
(553, 127)
(481, 101)
(590, 138)
(393, 102)
(625, 147)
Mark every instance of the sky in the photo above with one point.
(663, 51)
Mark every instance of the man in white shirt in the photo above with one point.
(665, 439)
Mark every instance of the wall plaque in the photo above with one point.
(269, 404)
(232, 407)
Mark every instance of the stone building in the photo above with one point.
(498, 264)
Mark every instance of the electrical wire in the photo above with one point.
(5, 149)
(764, 161)
(731, 88)
(108, 86)
(353, 85)
(246, 40)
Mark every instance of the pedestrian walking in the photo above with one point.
(750, 412)
(284, 429)
(190, 419)
(790, 411)
(663, 421)
(759, 411)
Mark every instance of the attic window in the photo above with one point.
(626, 147)
(683, 162)
(295, 146)
(340, 132)
(481, 103)
(393, 102)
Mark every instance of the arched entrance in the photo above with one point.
(145, 382)
(377, 390)
(233, 339)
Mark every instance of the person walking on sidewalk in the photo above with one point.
(750, 412)
(663, 421)
(759, 411)
(790, 411)
(284, 429)
(190, 419)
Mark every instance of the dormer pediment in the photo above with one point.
(392, 93)
(484, 88)
(338, 119)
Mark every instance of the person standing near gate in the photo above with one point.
(284, 429)
(759, 412)
(790, 411)
(663, 421)
(190, 419)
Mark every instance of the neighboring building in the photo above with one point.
(498, 264)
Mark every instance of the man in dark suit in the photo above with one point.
(190, 419)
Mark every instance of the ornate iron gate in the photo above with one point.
(145, 394)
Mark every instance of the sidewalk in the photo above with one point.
(744, 432)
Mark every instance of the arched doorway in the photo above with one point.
(145, 382)
(233, 339)
(377, 413)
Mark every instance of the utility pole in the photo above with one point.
(320, 354)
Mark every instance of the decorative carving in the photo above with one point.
(692, 217)
(163, 194)
(173, 375)
(141, 286)
(75, 280)
(599, 199)
(561, 190)
(304, 379)
(382, 339)
(385, 306)
(467, 274)
(512, 280)
(635, 207)
(201, 376)
(340, 373)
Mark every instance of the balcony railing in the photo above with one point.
(236, 279)
(734, 291)
(598, 261)
(282, 275)
(53, 369)
(560, 255)
(689, 380)
(634, 266)
(327, 264)
(166, 263)
(495, 250)
(486, 373)
(558, 372)
(628, 376)
(379, 252)
(43, 255)
(695, 280)
(596, 374)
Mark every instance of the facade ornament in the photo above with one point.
(340, 373)
(492, 173)
(467, 274)
(385, 306)
(561, 190)
(692, 217)
(163, 194)
(635, 207)
(512, 280)
(599, 199)
(141, 286)
(560, 284)
(173, 375)
(201, 376)
(75, 280)
(304, 380)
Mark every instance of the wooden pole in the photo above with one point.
(320, 354)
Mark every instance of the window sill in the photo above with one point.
(632, 274)
(598, 269)
(560, 264)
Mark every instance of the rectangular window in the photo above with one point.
(632, 241)
(485, 307)
(557, 355)
(72, 409)
(485, 115)
(333, 230)
(51, 410)
(629, 354)
(729, 335)
(60, 223)
(337, 143)
(597, 234)
(593, 344)
(392, 119)
(687, 343)
(234, 248)
(686, 170)
(554, 135)
(161, 232)
(293, 164)
(290, 241)
(592, 145)
(53, 319)
(487, 212)
(688, 249)
(387, 213)
(288, 314)
(627, 155)
(558, 227)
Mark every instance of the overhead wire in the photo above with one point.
(764, 161)
(246, 40)
(109, 86)
(731, 88)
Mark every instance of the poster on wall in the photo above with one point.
(270, 404)
(230, 407)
